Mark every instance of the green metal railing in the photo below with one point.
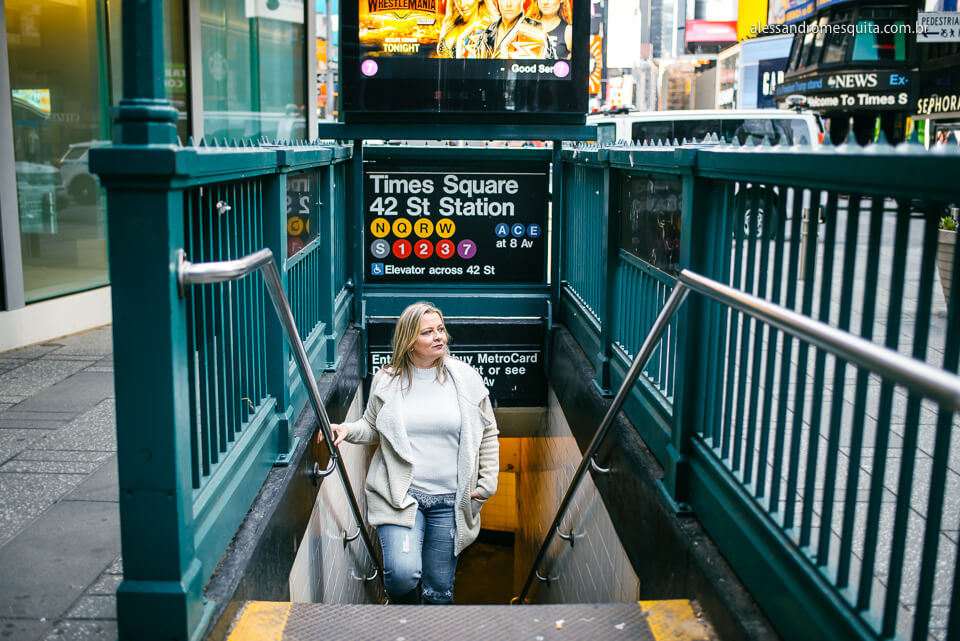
(583, 230)
(207, 396)
(827, 486)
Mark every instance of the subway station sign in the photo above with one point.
(482, 225)
(507, 354)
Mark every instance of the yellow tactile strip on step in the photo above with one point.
(674, 620)
(261, 621)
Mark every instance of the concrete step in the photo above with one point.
(674, 620)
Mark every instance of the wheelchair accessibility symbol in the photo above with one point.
(376, 269)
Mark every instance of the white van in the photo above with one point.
(746, 125)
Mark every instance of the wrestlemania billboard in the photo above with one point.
(467, 61)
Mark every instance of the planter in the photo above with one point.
(946, 241)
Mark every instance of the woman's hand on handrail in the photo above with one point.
(340, 432)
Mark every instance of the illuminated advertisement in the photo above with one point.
(522, 59)
(474, 29)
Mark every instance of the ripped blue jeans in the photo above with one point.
(421, 555)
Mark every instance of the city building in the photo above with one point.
(234, 69)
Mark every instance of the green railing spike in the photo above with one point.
(735, 143)
(676, 143)
(827, 141)
(190, 142)
(913, 138)
(851, 137)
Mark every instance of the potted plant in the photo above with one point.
(946, 241)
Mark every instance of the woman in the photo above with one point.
(514, 36)
(437, 462)
(462, 25)
(556, 18)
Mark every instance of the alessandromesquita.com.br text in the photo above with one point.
(844, 28)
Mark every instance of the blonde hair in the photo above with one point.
(405, 336)
(452, 17)
(564, 11)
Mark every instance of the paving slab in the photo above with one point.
(29, 353)
(94, 342)
(23, 629)
(15, 441)
(79, 630)
(35, 376)
(78, 393)
(48, 467)
(102, 485)
(106, 585)
(56, 558)
(33, 423)
(65, 455)
(94, 607)
(93, 430)
(24, 497)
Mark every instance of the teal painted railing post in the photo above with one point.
(556, 238)
(327, 290)
(278, 352)
(610, 244)
(700, 228)
(161, 596)
(354, 218)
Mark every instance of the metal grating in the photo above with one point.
(596, 622)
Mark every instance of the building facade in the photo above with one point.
(235, 69)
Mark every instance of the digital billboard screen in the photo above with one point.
(465, 61)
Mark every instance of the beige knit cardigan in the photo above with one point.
(391, 468)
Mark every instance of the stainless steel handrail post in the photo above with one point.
(191, 274)
(680, 292)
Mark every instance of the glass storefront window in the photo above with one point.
(60, 110)
(837, 42)
(805, 51)
(795, 52)
(253, 69)
(813, 52)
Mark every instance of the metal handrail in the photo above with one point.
(216, 272)
(646, 350)
(919, 377)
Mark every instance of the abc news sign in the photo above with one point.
(875, 90)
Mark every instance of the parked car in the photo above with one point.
(36, 197)
(746, 126)
(76, 180)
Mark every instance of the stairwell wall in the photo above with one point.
(595, 569)
(327, 569)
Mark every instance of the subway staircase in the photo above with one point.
(673, 620)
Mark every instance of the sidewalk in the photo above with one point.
(59, 517)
